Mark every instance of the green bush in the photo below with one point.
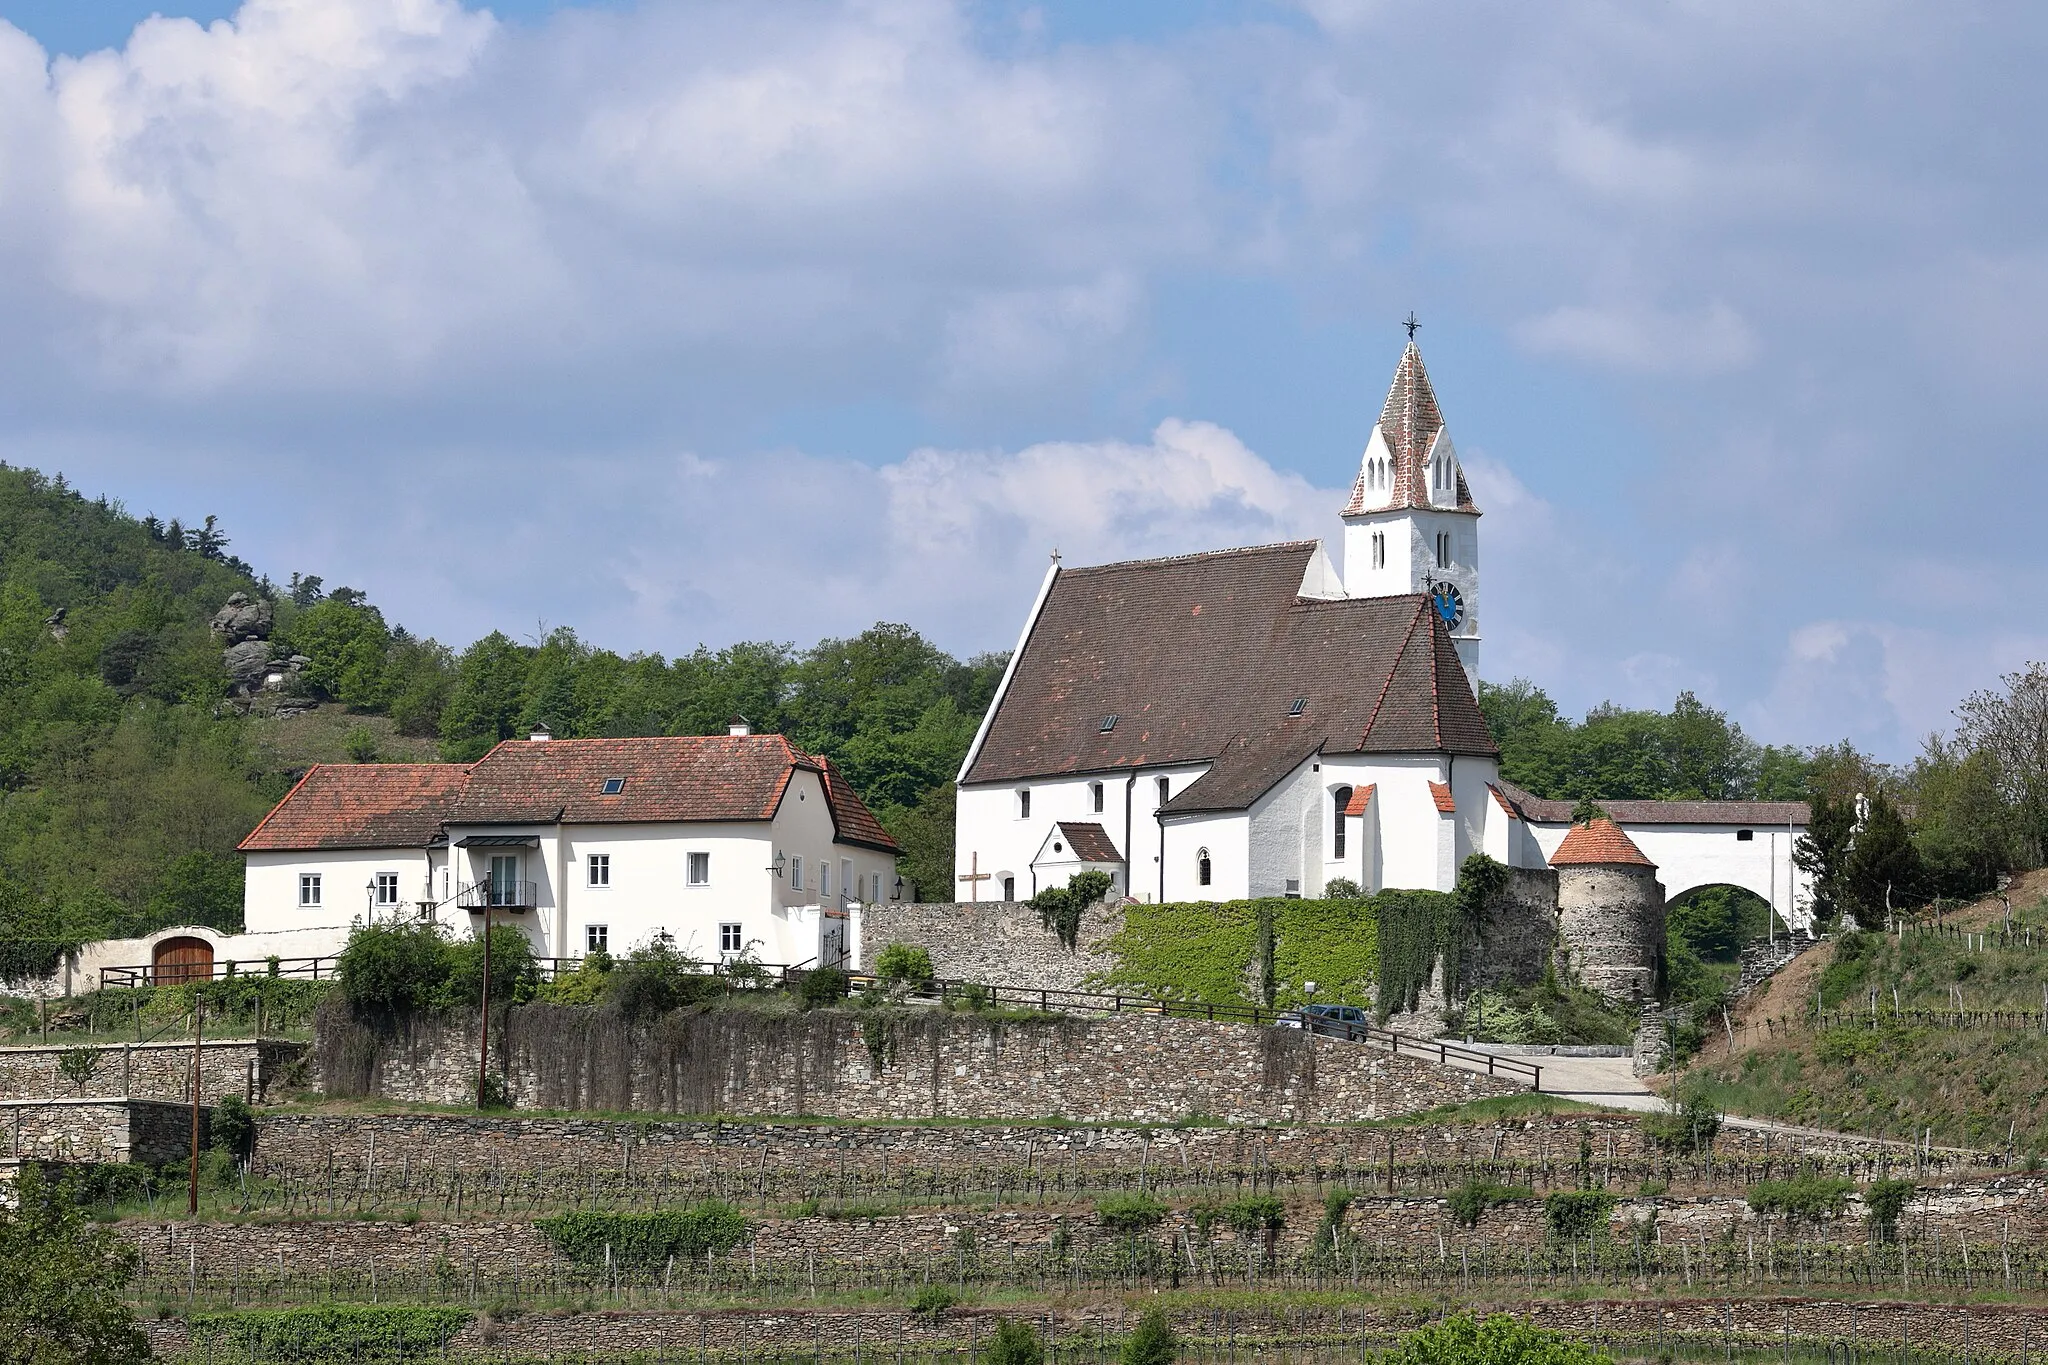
(824, 987)
(644, 1241)
(1060, 907)
(515, 976)
(1576, 1215)
(1133, 1211)
(1496, 1340)
(391, 970)
(1886, 1201)
(1255, 1215)
(233, 1127)
(932, 1300)
(1473, 1198)
(1014, 1342)
(1807, 1197)
(655, 978)
(1694, 1125)
(905, 964)
(331, 1332)
(1151, 1342)
(587, 985)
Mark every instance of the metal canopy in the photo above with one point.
(499, 841)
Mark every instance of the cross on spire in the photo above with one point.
(1413, 324)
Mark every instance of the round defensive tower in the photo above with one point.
(1610, 910)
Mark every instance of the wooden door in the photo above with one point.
(178, 960)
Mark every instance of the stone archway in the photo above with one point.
(175, 961)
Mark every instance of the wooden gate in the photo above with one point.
(178, 960)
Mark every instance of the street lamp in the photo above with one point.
(370, 900)
(898, 894)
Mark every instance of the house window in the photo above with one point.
(1293, 888)
(847, 885)
(1745, 836)
(1342, 797)
(596, 938)
(1299, 705)
(1108, 723)
(874, 888)
(1379, 549)
(824, 876)
(1095, 795)
(614, 785)
(729, 938)
(600, 869)
(1443, 549)
(700, 869)
(1009, 888)
(1203, 870)
(796, 874)
(309, 888)
(1163, 793)
(387, 888)
(1024, 804)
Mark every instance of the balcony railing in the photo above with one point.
(498, 895)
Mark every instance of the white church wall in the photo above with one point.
(1690, 856)
(1227, 837)
(1284, 834)
(1471, 780)
(1408, 826)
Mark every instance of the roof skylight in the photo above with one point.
(1300, 705)
(614, 785)
(1109, 722)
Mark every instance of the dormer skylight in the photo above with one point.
(1109, 722)
(1300, 705)
(614, 785)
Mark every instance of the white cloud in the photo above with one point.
(1628, 336)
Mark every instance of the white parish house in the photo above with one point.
(1253, 722)
(726, 844)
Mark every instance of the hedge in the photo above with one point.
(644, 1240)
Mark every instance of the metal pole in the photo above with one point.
(483, 1053)
(192, 1181)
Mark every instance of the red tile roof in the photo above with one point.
(1444, 800)
(1202, 658)
(1757, 814)
(360, 805)
(521, 782)
(1599, 842)
(1090, 842)
(1501, 800)
(1360, 799)
(1409, 423)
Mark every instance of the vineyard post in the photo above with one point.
(198, 1029)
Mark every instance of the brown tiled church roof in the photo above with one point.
(1409, 422)
(661, 780)
(1598, 842)
(360, 805)
(1203, 658)
(1090, 842)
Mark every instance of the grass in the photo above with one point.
(1974, 1087)
(321, 736)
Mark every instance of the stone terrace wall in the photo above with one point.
(157, 1071)
(993, 941)
(498, 1248)
(149, 1131)
(1987, 1331)
(303, 1142)
(1120, 1068)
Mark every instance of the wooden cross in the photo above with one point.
(975, 877)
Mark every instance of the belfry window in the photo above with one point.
(1203, 870)
(1443, 549)
(1342, 798)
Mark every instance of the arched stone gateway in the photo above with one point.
(175, 961)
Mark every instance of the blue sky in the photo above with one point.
(682, 322)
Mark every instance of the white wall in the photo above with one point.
(1227, 836)
(987, 826)
(797, 916)
(1689, 856)
(270, 894)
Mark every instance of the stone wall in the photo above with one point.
(1611, 920)
(157, 1071)
(993, 941)
(1980, 1331)
(147, 1131)
(906, 1065)
(365, 1148)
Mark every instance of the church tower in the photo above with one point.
(1411, 526)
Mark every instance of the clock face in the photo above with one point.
(1450, 604)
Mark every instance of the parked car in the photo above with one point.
(1331, 1019)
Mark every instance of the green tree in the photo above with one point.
(484, 704)
(66, 1278)
(1014, 1342)
(347, 641)
(1496, 1340)
(200, 888)
(925, 833)
(1151, 1342)
(515, 976)
(1883, 871)
(1822, 853)
(392, 970)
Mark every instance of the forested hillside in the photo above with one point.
(128, 773)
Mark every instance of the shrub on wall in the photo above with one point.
(1060, 907)
(1198, 952)
(905, 964)
(332, 1332)
(1334, 943)
(393, 969)
(642, 1241)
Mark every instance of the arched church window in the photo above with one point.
(1202, 868)
(1342, 799)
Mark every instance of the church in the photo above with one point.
(1264, 721)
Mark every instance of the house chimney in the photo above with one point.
(538, 734)
(739, 727)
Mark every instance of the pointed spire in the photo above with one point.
(1395, 470)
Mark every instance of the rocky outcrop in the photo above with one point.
(252, 663)
(242, 619)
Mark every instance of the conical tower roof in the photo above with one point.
(1409, 424)
(1601, 843)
